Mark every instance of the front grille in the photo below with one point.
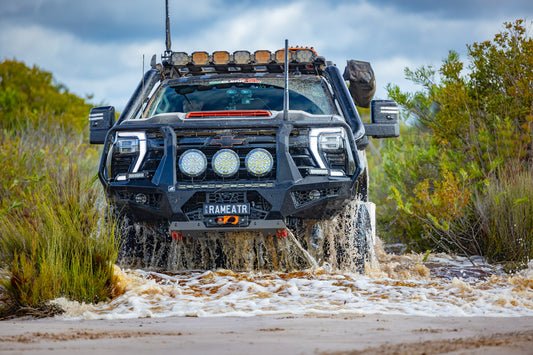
(240, 141)
(300, 151)
(122, 163)
(155, 149)
(226, 197)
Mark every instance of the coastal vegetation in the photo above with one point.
(54, 239)
(459, 177)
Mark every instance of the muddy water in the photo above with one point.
(311, 271)
(438, 285)
(333, 244)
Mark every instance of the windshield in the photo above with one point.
(306, 93)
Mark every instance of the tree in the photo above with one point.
(28, 96)
(475, 129)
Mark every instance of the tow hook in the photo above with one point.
(176, 235)
(282, 233)
(228, 219)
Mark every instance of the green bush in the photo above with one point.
(53, 237)
(469, 127)
(30, 97)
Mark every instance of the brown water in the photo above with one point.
(409, 284)
(304, 274)
(330, 244)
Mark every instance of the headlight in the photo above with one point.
(259, 162)
(193, 163)
(131, 143)
(332, 151)
(226, 163)
(331, 142)
(127, 145)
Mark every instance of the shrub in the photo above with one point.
(505, 214)
(30, 97)
(53, 239)
(472, 127)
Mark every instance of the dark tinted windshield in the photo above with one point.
(305, 93)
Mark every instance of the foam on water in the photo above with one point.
(398, 284)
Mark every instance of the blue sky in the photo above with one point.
(97, 47)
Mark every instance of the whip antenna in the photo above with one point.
(286, 89)
(168, 43)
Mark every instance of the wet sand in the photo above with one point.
(312, 334)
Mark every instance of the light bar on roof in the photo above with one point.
(221, 57)
(259, 58)
(200, 58)
(242, 57)
(180, 58)
(262, 57)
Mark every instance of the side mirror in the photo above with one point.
(101, 119)
(385, 119)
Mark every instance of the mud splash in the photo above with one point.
(333, 244)
(316, 269)
(398, 284)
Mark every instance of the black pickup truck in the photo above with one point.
(227, 142)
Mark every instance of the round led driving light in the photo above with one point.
(226, 163)
(193, 163)
(259, 162)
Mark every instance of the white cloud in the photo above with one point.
(110, 68)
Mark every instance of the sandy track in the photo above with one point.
(272, 335)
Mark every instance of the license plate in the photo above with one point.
(224, 209)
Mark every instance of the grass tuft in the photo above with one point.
(56, 237)
(505, 212)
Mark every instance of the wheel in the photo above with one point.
(344, 243)
(354, 247)
(142, 245)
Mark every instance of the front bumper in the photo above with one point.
(289, 192)
(270, 206)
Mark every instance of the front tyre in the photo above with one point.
(343, 243)
(142, 245)
(351, 237)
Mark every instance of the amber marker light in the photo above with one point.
(221, 57)
(200, 58)
(280, 56)
(262, 57)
